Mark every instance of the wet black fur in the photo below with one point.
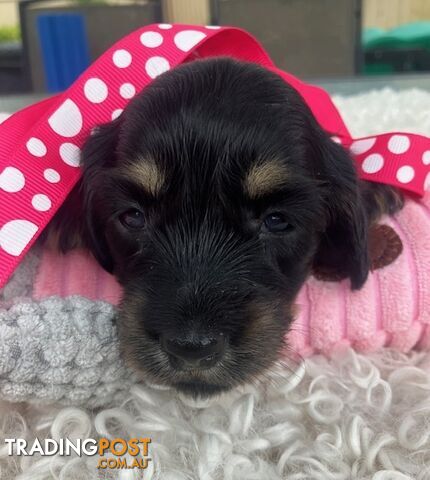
(204, 262)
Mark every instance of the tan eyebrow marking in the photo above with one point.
(265, 177)
(146, 173)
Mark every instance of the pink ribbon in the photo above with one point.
(40, 145)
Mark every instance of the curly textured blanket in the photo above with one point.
(348, 417)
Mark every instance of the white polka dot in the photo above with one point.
(399, 144)
(427, 182)
(151, 39)
(36, 147)
(12, 180)
(122, 58)
(362, 146)
(164, 26)
(336, 139)
(96, 90)
(187, 39)
(116, 113)
(213, 27)
(426, 157)
(51, 175)
(127, 90)
(373, 163)
(67, 119)
(156, 66)
(405, 174)
(70, 154)
(15, 236)
(41, 202)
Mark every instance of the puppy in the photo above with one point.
(211, 199)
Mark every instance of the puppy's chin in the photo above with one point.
(152, 365)
(242, 363)
(197, 389)
(192, 383)
(196, 383)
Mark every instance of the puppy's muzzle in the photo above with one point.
(194, 351)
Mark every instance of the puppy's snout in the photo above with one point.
(197, 351)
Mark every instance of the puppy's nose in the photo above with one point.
(201, 351)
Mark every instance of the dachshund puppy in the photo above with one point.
(211, 199)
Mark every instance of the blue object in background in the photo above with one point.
(64, 46)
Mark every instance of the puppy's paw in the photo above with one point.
(385, 246)
(380, 199)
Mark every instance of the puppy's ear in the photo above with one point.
(343, 251)
(98, 154)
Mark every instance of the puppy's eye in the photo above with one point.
(277, 223)
(133, 219)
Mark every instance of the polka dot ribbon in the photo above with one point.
(40, 145)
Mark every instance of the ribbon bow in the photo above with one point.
(40, 145)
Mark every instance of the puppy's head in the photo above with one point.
(211, 198)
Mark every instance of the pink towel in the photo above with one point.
(392, 309)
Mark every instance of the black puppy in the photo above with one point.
(211, 199)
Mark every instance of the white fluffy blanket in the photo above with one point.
(349, 417)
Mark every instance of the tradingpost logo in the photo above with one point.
(111, 452)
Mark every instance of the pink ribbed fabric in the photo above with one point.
(76, 273)
(392, 309)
